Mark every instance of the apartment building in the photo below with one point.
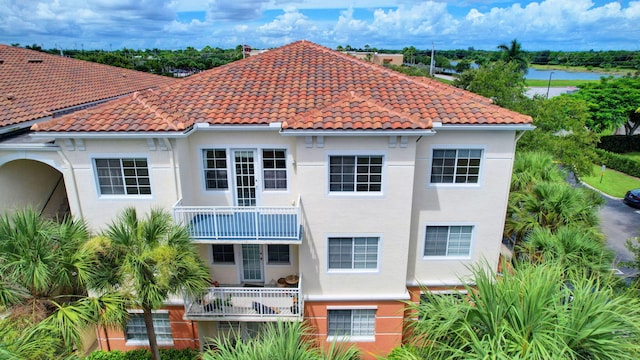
(318, 187)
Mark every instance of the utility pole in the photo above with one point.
(433, 50)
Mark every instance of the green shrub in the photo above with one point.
(175, 354)
(144, 354)
(618, 162)
(137, 354)
(620, 143)
(106, 355)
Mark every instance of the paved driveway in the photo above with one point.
(619, 222)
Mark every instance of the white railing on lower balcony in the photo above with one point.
(241, 222)
(248, 303)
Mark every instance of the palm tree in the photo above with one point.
(514, 53)
(536, 312)
(571, 247)
(531, 167)
(44, 272)
(551, 205)
(148, 258)
(281, 340)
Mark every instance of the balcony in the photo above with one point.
(247, 304)
(241, 224)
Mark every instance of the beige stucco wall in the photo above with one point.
(192, 173)
(386, 215)
(482, 205)
(27, 178)
(99, 210)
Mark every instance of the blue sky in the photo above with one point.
(384, 24)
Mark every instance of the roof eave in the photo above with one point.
(323, 132)
(481, 127)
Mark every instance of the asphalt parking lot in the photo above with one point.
(619, 222)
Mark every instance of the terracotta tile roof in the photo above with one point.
(303, 85)
(35, 84)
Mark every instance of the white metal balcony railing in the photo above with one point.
(247, 303)
(241, 222)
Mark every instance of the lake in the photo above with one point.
(536, 74)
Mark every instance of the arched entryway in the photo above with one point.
(30, 183)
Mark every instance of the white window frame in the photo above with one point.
(353, 338)
(140, 342)
(483, 161)
(353, 237)
(447, 257)
(285, 169)
(120, 156)
(277, 263)
(356, 154)
(205, 169)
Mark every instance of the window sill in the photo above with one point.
(125, 197)
(146, 343)
(353, 271)
(440, 258)
(347, 338)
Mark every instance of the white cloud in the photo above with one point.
(554, 24)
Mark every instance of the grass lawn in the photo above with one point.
(558, 83)
(613, 183)
(612, 71)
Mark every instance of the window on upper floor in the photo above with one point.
(347, 324)
(278, 254)
(455, 166)
(274, 167)
(360, 173)
(136, 331)
(215, 169)
(353, 253)
(448, 241)
(123, 176)
(223, 254)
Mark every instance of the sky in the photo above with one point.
(383, 24)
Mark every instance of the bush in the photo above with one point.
(138, 354)
(106, 355)
(144, 354)
(618, 162)
(620, 143)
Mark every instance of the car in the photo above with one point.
(632, 198)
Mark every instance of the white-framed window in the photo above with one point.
(355, 173)
(448, 241)
(215, 169)
(123, 176)
(223, 254)
(278, 254)
(353, 253)
(136, 331)
(274, 169)
(351, 324)
(456, 166)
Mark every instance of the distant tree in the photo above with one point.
(613, 103)
(513, 53)
(500, 81)
(409, 54)
(561, 129)
(339, 48)
(463, 65)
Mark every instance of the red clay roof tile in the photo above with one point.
(30, 90)
(302, 85)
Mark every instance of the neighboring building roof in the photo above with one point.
(35, 85)
(302, 85)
